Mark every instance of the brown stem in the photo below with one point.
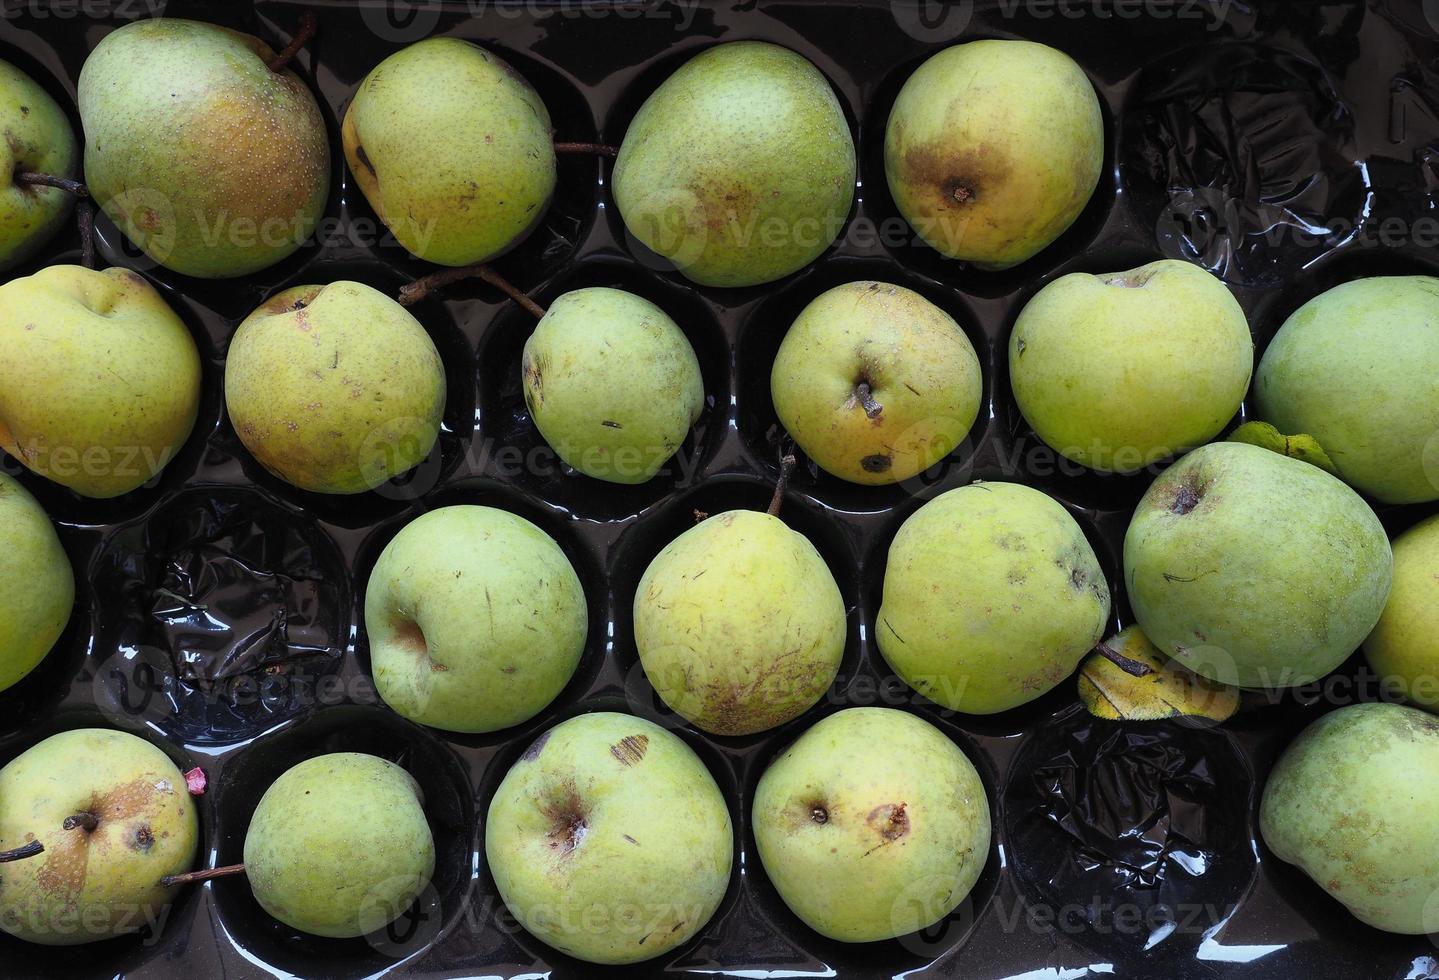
(84, 820)
(865, 394)
(424, 286)
(598, 149)
(303, 33)
(50, 180)
(1131, 667)
(204, 874)
(786, 466)
(23, 851)
(85, 217)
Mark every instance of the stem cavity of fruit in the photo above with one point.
(421, 288)
(83, 820)
(23, 851)
(597, 149)
(204, 874)
(818, 814)
(786, 466)
(302, 37)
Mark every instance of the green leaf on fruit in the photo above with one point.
(1127, 678)
(1302, 447)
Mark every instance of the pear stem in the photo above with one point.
(204, 874)
(23, 851)
(865, 394)
(84, 820)
(302, 37)
(50, 180)
(85, 217)
(1131, 667)
(598, 149)
(422, 287)
(786, 466)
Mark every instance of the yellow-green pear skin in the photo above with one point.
(1403, 649)
(453, 149)
(612, 384)
(1357, 368)
(739, 624)
(99, 379)
(335, 388)
(992, 596)
(476, 619)
(993, 148)
(214, 165)
(1120, 371)
(740, 167)
(1354, 802)
(872, 825)
(36, 579)
(1255, 569)
(38, 139)
(920, 372)
(609, 840)
(132, 823)
(339, 845)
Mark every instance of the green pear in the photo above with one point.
(453, 149)
(335, 388)
(99, 379)
(992, 596)
(1404, 646)
(214, 165)
(609, 839)
(1255, 569)
(740, 168)
(875, 383)
(739, 624)
(1120, 371)
(36, 579)
(38, 139)
(872, 825)
(1354, 802)
(114, 817)
(1357, 368)
(339, 845)
(612, 384)
(993, 148)
(476, 620)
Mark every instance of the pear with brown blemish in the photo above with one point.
(113, 816)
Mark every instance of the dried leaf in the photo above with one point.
(1127, 678)
(1302, 447)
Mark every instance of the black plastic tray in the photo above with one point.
(1234, 130)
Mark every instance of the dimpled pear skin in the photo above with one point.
(740, 168)
(38, 139)
(1404, 645)
(992, 596)
(476, 619)
(1354, 802)
(609, 840)
(1120, 371)
(1357, 368)
(1255, 569)
(339, 845)
(993, 148)
(453, 149)
(739, 623)
(99, 379)
(214, 165)
(103, 880)
(335, 388)
(37, 581)
(612, 384)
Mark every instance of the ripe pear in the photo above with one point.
(992, 596)
(609, 839)
(993, 148)
(1404, 646)
(872, 825)
(339, 845)
(99, 379)
(875, 383)
(739, 623)
(38, 139)
(1120, 371)
(114, 817)
(453, 149)
(1255, 569)
(1354, 802)
(214, 165)
(36, 579)
(1357, 368)
(334, 388)
(740, 168)
(476, 620)
(612, 384)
